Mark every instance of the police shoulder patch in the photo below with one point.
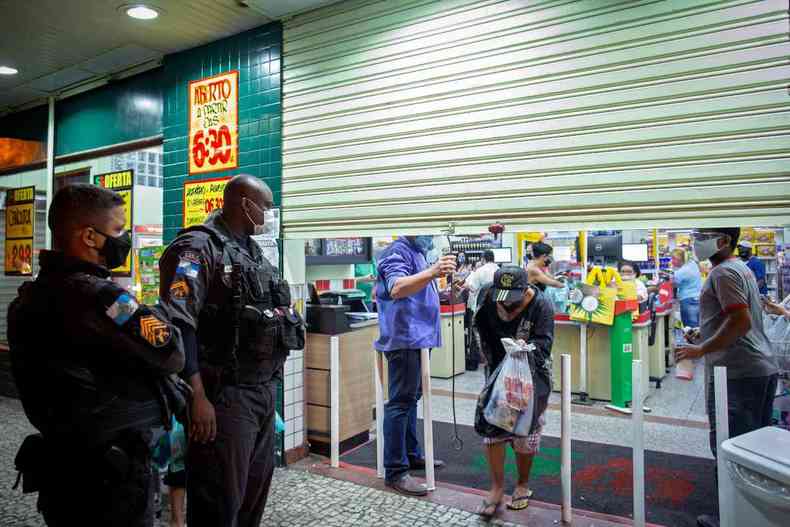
(122, 309)
(179, 289)
(187, 268)
(154, 331)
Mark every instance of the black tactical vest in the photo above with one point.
(266, 323)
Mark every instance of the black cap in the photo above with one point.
(510, 283)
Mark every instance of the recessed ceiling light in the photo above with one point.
(141, 12)
(7, 70)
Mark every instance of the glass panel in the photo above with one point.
(23, 137)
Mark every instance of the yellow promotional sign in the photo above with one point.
(214, 123)
(20, 216)
(121, 182)
(201, 198)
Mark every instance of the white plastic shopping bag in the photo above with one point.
(512, 401)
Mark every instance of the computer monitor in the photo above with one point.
(503, 255)
(635, 252)
(604, 249)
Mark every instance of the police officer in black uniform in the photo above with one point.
(238, 327)
(94, 369)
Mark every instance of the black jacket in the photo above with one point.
(89, 361)
(534, 326)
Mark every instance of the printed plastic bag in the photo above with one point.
(512, 400)
(777, 329)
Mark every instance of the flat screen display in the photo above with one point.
(635, 252)
(503, 255)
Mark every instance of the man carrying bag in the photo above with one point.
(513, 309)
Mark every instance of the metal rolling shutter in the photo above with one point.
(10, 284)
(399, 116)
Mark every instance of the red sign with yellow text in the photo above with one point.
(214, 123)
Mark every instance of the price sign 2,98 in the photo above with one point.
(20, 214)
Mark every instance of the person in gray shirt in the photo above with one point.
(731, 334)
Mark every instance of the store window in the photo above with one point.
(69, 178)
(23, 138)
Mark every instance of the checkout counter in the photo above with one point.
(333, 321)
(567, 339)
(353, 333)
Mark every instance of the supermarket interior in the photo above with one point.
(584, 142)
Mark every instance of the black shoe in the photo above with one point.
(419, 464)
(707, 520)
(408, 486)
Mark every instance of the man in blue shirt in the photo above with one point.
(688, 282)
(755, 264)
(409, 320)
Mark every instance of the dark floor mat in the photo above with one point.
(678, 488)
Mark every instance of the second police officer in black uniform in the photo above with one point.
(238, 327)
(94, 369)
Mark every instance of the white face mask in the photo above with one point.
(257, 228)
(628, 276)
(705, 249)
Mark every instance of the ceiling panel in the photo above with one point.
(54, 43)
(119, 58)
(59, 80)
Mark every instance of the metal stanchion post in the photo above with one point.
(334, 388)
(638, 445)
(378, 372)
(427, 418)
(722, 434)
(565, 435)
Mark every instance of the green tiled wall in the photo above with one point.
(257, 54)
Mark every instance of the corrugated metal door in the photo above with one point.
(10, 284)
(404, 115)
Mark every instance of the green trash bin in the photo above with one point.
(622, 356)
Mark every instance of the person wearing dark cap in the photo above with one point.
(513, 308)
(731, 334)
(745, 252)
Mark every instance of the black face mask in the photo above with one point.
(745, 254)
(115, 250)
(549, 260)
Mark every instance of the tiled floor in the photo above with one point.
(679, 400)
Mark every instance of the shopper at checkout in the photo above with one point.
(540, 260)
(731, 334)
(630, 272)
(754, 263)
(513, 308)
(688, 282)
(409, 320)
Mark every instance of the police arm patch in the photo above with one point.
(154, 331)
(179, 289)
(122, 309)
(187, 267)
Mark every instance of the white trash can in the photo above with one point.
(756, 485)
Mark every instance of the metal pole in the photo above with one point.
(378, 371)
(583, 361)
(639, 445)
(565, 438)
(427, 418)
(722, 434)
(583, 327)
(334, 388)
(50, 166)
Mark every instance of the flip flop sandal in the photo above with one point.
(519, 503)
(485, 506)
